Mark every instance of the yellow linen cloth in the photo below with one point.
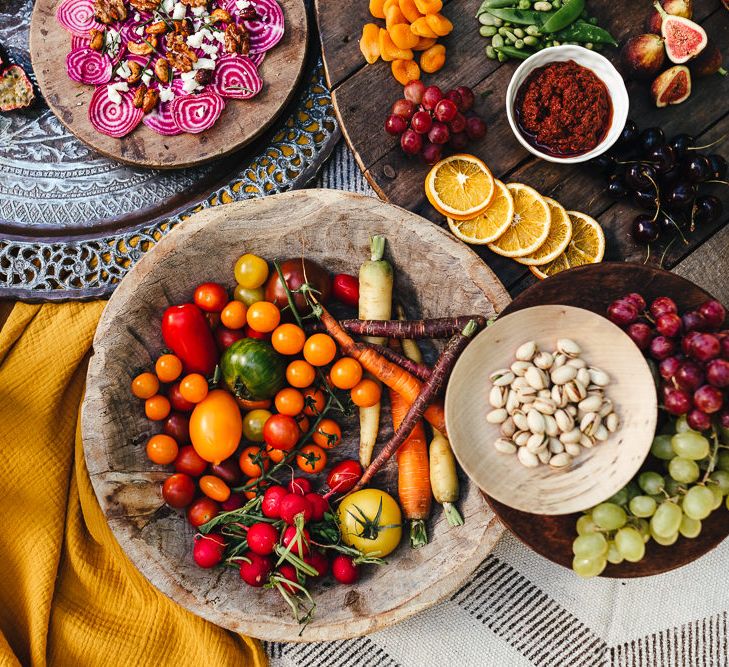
(68, 593)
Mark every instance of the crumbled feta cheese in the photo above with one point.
(178, 13)
(204, 63)
(146, 77)
(209, 49)
(137, 16)
(190, 86)
(194, 41)
(168, 5)
(207, 34)
(199, 11)
(114, 91)
(124, 70)
(112, 41)
(186, 76)
(166, 94)
(242, 4)
(139, 30)
(219, 35)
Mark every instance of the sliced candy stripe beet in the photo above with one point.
(267, 31)
(236, 77)
(161, 119)
(115, 120)
(77, 16)
(257, 58)
(197, 113)
(87, 66)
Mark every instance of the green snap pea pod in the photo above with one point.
(521, 16)
(513, 52)
(494, 4)
(487, 30)
(586, 32)
(564, 16)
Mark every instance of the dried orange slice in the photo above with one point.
(460, 186)
(560, 233)
(529, 226)
(587, 246)
(489, 225)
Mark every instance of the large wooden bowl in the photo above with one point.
(435, 276)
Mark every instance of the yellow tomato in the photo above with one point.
(216, 426)
(363, 529)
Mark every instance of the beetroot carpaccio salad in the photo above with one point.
(166, 63)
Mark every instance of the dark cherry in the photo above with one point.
(663, 158)
(706, 209)
(681, 143)
(629, 134)
(665, 222)
(645, 200)
(616, 187)
(604, 163)
(641, 177)
(652, 137)
(671, 177)
(680, 196)
(644, 229)
(697, 168)
(718, 167)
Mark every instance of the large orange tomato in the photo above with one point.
(216, 426)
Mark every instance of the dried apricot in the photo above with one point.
(394, 17)
(429, 6)
(405, 71)
(421, 28)
(409, 10)
(387, 4)
(424, 43)
(377, 8)
(402, 36)
(369, 44)
(433, 59)
(439, 24)
(388, 50)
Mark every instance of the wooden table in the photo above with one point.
(362, 95)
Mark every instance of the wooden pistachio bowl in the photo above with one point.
(333, 228)
(597, 472)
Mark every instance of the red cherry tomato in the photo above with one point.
(225, 337)
(177, 401)
(311, 459)
(343, 476)
(187, 333)
(178, 490)
(211, 297)
(201, 511)
(281, 432)
(252, 333)
(346, 289)
(189, 462)
(177, 425)
(228, 471)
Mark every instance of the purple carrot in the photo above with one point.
(439, 327)
(420, 371)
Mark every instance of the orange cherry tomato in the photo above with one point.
(346, 373)
(288, 339)
(157, 408)
(276, 455)
(194, 387)
(258, 488)
(300, 374)
(168, 367)
(214, 487)
(319, 349)
(289, 401)
(263, 316)
(303, 421)
(216, 426)
(233, 315)
(328, 434)
(314, 401)
(162, 449)
(210, 297)
(366, 393)
(254, 461)
(145, 385)
(311, 459)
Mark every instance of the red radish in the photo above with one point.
(292, 505)
(196, 113)
(346, 289)
(208, 550)
(300, 486)
(319, 505)
(288, 571)
(234, 502)
(88, 66)
(236, 77)
(262, 538)
(343, 476)
(77, 16)
(267, 29)
(255, 570)
(319, 562)
(110, 118)
(271, 504)
(344, 570)
(301, 548)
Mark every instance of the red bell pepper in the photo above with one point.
(187, 333)
(346, 289)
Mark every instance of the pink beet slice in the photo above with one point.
(77, 16)
(257, 58)
(267, 30)
(197, 113)
(114, 120)
(88, 66)
(236, 77)
(160, 119)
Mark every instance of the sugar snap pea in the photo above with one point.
(494, 4)
(521, 16)
(564, 16)
(586, 32)
(513, 52)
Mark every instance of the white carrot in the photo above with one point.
(444, 478)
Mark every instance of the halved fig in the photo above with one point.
(643, 56)
(672, 86)
(16, 90)
(675, 7)
(707, 63)
(684, 39)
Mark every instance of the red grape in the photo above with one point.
(431, 96)
(687, 339)
(636, 299)
(641, 334)
(404, 108)
(395, 125)
(439, 133)
(725, 347)
(698, 420)
(459, 141)
(668, 367)
(693, 321)
(458, 123)
(689, 376)
(669, 324)
(432, 153)
(705, 346)
(708, 399)
(724, 419)
(622, 312)
(414, 90)
(467, 98)
(663, 304)
(676, 402)
(717, 373)
(475, 128)
(713, 313)
(661, 348)
(445, 110)
(421, 122)
(411, 142)
(454, 96)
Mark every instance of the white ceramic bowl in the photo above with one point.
(601, 66)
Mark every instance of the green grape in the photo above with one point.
(613, 555)
(718, 496)
(620, 498)
(689, 527)
(661, 448)
(665, 541)
(644, 528)
(722, 461)
(721, 477)
(609, 516)
(588, 567)
(629, 543)
(672, 486)
(727, 502)
(585, 525)
(593, 545)
(690, 445)
(698, 502)
(633, 489)
(651, 482)
(666, 520)
(643, 506)
(684, 470)
(682, 425)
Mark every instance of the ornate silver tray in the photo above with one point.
(72, 222)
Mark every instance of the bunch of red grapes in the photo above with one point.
(427, 120)
(692, 352)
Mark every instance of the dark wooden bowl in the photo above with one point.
(594, 287)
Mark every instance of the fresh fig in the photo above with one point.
(672, 86)
(684, 39)
(643, 56)
(675, 7)
(708, 62)
(16, 90)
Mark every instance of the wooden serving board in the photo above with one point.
(363, 94)
(333, 228)
(241, 122)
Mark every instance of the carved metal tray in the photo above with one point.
(72, 223)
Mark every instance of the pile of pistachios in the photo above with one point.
(519, 28)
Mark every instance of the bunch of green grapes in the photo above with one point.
(656, 506)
